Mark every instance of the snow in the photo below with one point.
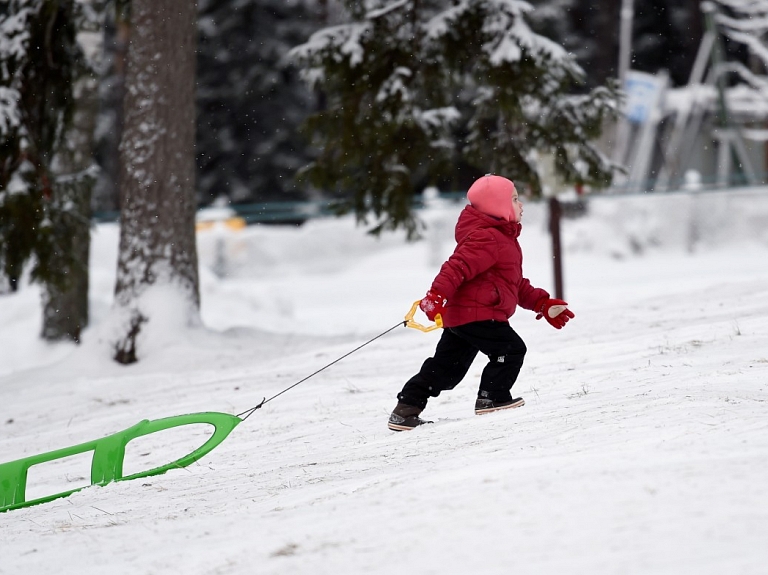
(508, 32)
(390, 7)
(14, 31)
(642, 447)
(9, 109)
(345, 37)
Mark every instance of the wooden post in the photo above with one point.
(557, 261)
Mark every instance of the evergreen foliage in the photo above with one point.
(39, 57)
(558, 19)
(745, 29)
(415, 87)
(111, 91)
(666, 35)
(250, 104)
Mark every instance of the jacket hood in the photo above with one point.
(492, 195)
(472, 219)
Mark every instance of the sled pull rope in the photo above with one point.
(247, 413)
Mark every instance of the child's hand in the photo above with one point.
(555, 311)
(432, 304)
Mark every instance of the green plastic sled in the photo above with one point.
(108, 456)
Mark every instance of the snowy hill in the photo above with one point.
(642, 447)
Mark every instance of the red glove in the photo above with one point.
(433, 304)
(555, 311)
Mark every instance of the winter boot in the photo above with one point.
(405, 417)
(485, 405)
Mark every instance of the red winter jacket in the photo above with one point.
(483, 278)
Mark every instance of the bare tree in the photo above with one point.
(157, 170)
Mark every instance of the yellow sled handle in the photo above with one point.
(409, 321)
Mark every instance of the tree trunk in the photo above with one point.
(157, 171)
(65, 308)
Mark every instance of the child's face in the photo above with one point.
(517, 208)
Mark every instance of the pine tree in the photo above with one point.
(666, 34)
(109, 128)
(555, 19)
(157, 253)
(415, 87)
(250, 103)
(745, 27)
(39, 221)
(65, 308)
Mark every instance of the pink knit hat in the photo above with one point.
(492, 195)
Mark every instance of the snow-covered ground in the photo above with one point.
(642, 448)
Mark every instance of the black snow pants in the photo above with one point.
(454, 355)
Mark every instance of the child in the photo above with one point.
(476, 292)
